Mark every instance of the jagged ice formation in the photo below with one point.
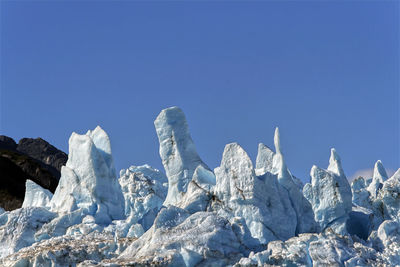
(236, 215)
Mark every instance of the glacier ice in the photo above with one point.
(236, 215)
(273, 163)
(180, 239)
(177, 152)
(360, 194)
(35, 195)
(378, 179)
(265, 158)
(323, 249)
(88, 181)
(389, 196)
(359, 222)
(260, 200)
(68, 250)
(144, 190)
(199, 192)
(18, 228)
(330, 195)
(304, 212)
(386, 240)
(384, 202)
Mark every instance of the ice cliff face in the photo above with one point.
(36, 196)
(302, 207)
(330, 195)
(260, 201)
(236, 215)
(88, 181)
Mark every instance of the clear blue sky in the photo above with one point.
(326, 73)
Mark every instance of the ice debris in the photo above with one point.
(144, 190)
(18, 227)
(180, 239)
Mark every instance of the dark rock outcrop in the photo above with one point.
(7, 143)
(12, 184)
(33, 159)
(43, 151)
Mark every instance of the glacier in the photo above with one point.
(239, 214)
(259, 200)
(88, 180)
(35, 195)
(330, 195)
(177, 151)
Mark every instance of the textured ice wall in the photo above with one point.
(35, 195)
(88, 181)
(330, 195)
(177, 152)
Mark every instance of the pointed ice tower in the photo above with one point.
(177, 152)
(304, 212)
(330, 195)
(260, 201)
(380, 176)
(88, 181)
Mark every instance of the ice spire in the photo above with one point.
(88, 180)
(177, 151)
(380, 176)
(335, 164)
(380, 172)
(330, 195)
(277, 141)
(303, 209)
(279, 165)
